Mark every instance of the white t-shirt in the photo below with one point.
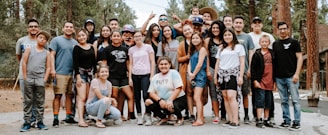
(229, 58)
(141, 60)
(256, 39)
(165, 85)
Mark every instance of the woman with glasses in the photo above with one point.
(142, 69)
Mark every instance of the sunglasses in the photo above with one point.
(162, 19)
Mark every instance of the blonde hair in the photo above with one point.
(101, 65)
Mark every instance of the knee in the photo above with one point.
(148, 102)
(58, 96)
(106, 100)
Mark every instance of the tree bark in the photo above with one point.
(251, 12)
(29, 14)
(54, 18)
(281, 12)
(69, 11)
(312, 42)
(17, 17)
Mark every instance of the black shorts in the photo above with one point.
(230, 85)
(245, 88)
(263, 98)
(119, 82)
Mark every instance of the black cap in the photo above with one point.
(197, 21)
(256, 18)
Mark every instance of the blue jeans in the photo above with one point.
(98, 108)
(287, 87)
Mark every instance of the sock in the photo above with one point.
(246, 112)
(132, 116)
(56, 116)
(68, 115)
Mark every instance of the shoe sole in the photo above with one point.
(293, 129)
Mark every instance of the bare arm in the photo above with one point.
(242, 68)
(53, 68)
(299, 66)
(250, 55)
(144, 26)
(25, 61)
(129, 65)
(201, 58)
(95, 44)
(48, 66)
(152, 64)
(18, 57)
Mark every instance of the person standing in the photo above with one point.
(36, 68)
(256, 34)
(245, 40)
(61, 49)
(90, 26)
(23, 43)
(228, 74)
(288, 63)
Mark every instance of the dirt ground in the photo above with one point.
(12, 100)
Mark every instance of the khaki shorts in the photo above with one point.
(64, 84)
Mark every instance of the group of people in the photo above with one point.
(214, 56)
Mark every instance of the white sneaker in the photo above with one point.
(133, 121)
(118, 122)
(148, 120)
(140, 120)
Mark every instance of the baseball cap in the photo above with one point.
(197, 21)
(128, 28)
(256, 18)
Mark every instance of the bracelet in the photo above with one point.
(159, 100)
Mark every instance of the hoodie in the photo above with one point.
(91, 37)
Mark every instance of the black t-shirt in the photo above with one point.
(213, 49)
(116, 60)
(83, 59)
(285, 57)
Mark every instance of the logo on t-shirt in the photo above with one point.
(286, 46)
(120, 56)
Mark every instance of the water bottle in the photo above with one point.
(193, 83)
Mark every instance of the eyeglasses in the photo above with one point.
(162, 19)
(137, 36)
(33, 26)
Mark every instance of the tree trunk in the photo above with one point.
(29, 14)
(17, 18)
(281, 12)
(312, 42)
(69, 11)
(54, 18)
(251, 11)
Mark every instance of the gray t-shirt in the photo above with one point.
(21, 44)
(171, 51)
(64, 54)
(246, 40)
(36, 65)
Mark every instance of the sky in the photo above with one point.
(143, 8)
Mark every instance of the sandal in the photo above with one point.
(83, 124)
(162, 122)
(100, 125)
(216, 120)
(179, 122)
(196, 123)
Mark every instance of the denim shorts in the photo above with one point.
(263, 98)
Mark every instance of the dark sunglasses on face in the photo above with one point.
(162, 19)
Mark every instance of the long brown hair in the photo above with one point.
(192, 46)
(234, 39)
(164, 40)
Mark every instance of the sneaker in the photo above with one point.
(216, 120)
(70, 121)
(55, 123)
(148, 120)
(118, 122)
(295, 127)
(25, 127)
(268, 123)
(284, 125)
(233, 125)
(260, 124)
(33, 124)
(192, 118)
(226, 124)
(140, 120)
(133, 121)
(246, 120)
(155, 119)
(41, 126)
(272, 121)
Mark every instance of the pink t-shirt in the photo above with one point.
(141, 59)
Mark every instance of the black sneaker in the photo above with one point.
(25, 127)
(284, 125)
(70, 121)
(226, 124)
(233, 125)
(246, 120)
(260, 124)
(41, 126)
(268, 123)
(55, 123)
(295, 127)
(192, 118)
